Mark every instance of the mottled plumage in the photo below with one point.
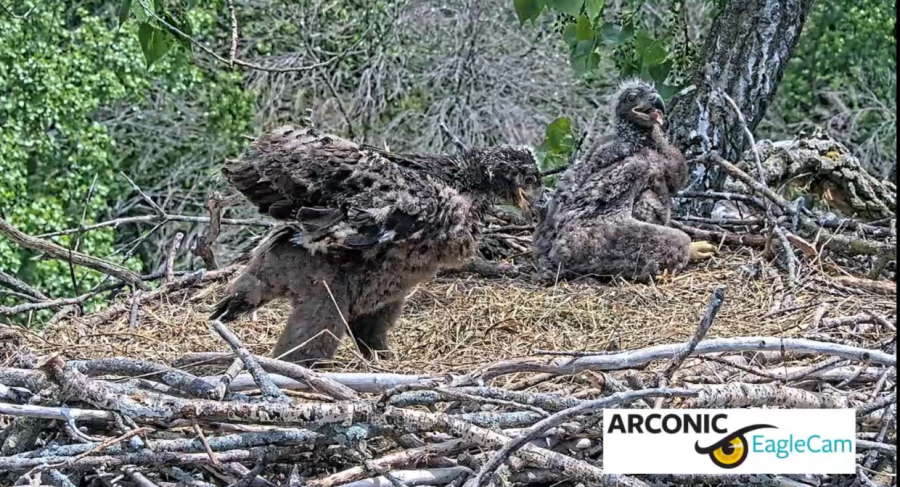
(361, 227)
(610, 212)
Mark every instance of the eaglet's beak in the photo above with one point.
(655, 110)
(526, 201)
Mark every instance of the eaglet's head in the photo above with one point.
(506, 173)
(638, 103)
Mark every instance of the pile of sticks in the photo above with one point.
(255, 421)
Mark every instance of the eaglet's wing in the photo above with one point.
(337, 194)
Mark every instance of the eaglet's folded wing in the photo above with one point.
(337, 194)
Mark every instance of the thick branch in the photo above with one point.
(64, 254)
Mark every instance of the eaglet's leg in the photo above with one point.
(370, 329)
(313, 332)
(626, 248)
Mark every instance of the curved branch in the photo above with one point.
(67, 255)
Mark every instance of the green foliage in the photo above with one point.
(66, 76)
(843, 42)
(52, 80)
(559, 142)
(649, 52)
(528, 9)
(843, 74)
(158, 20)
(571, 7)
(155, 42)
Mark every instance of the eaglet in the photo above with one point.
(360, 227)
(610, 214)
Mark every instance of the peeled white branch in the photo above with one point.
(432, 476)
(400, 459)
(738, 394)
(55, 413)
(360, 382)
(642, 357)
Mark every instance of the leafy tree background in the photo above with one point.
(78, 106)
(92, 89)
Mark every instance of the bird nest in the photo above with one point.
(452, 325)
(152, 401)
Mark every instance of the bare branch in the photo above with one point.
(232, 53)
(158, 209)
(17, 285)
(239, 62)
(460, 145)
(750, 139)
(718, 297)
(160, 219)
(204, 248)
(61, 253)
(269, 389)
(558, 418)
(170, 258)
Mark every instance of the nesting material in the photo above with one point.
(453, 325)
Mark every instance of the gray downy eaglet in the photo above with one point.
(610, 213)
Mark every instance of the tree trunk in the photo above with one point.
(744, 56)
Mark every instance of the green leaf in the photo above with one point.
(528, 9)
(571, 7)
(642, 42)
(660, 72)
(570, 35)
(124, 11)
(645, 73)
(628, 69)
(615, 35)
(666, 91)
(560, 137)
(580, 30)
(141, 10)
(656, 54)
(593, 8)
(154, 42)
(583, 29)
(651, 51)
(558, 144)
(583, 58)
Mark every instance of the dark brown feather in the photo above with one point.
(361, 227)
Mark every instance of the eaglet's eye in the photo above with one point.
(530, 180)
(632, 97)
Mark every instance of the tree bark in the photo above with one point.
(744, 56)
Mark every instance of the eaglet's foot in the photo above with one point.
(702, 250)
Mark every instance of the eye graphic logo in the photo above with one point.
(731, 451)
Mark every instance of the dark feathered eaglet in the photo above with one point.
(360, 227)
(610, 212)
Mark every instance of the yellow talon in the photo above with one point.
(702, 250)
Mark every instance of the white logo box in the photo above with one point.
(774, 441)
